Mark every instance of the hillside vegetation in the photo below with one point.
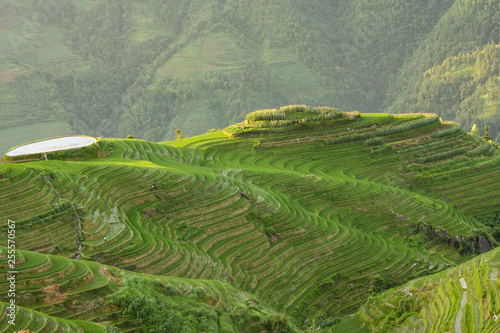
(58, 290)
(465, 87)
(461, 299)
(147, 68)
(292, 219)
(468, 31)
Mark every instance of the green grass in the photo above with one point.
(350, 324)
(40, 322)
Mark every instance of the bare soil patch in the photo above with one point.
(8, 75)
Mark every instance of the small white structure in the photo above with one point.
(463, 283)
(51, 145)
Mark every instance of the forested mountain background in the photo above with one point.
(146, 68)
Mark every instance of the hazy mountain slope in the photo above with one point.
(466, 27)
(465, 88)
(147, 68)
(304, 214)
(269, 54)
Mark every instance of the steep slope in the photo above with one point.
(461, 299)
(257, 54)
(302, 211)
(464, 88)
(27, 319)
(112, 69)
(56, 291)
(467, 27)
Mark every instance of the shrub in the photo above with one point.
(484, 149)
(331, 115)
(486, 134)
(376, 141)
(378, 283)
(324, 110)
(233, 131)
(349, 138)
(178, 134)
(493, 144)
(474, 130)
(408, 126)
(185, 232)
(405, 127)
(442, 156)
(257, 144)
(265, 115)
(270, 231)
(327, 321)
(448, 132)
(294, 108)
(130, 136)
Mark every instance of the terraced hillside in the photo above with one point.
(56, 292)
(462, 299)
(310, 210)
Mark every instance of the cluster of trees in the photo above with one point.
(85, 91)
(159, 306)
(352, 54)
(459, 61)
(371, 137)
(464, 88)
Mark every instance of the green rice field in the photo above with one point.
(312, 212)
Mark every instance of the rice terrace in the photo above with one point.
(297, 219)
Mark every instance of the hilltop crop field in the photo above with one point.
(290, 221)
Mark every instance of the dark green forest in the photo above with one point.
(147, 68)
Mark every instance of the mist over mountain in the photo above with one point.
(112, 68)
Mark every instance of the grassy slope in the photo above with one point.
(55, 292)
(302, 225)
(40, 322)
(433, 303)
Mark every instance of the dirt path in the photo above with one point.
(79, 235)
(460, 314)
